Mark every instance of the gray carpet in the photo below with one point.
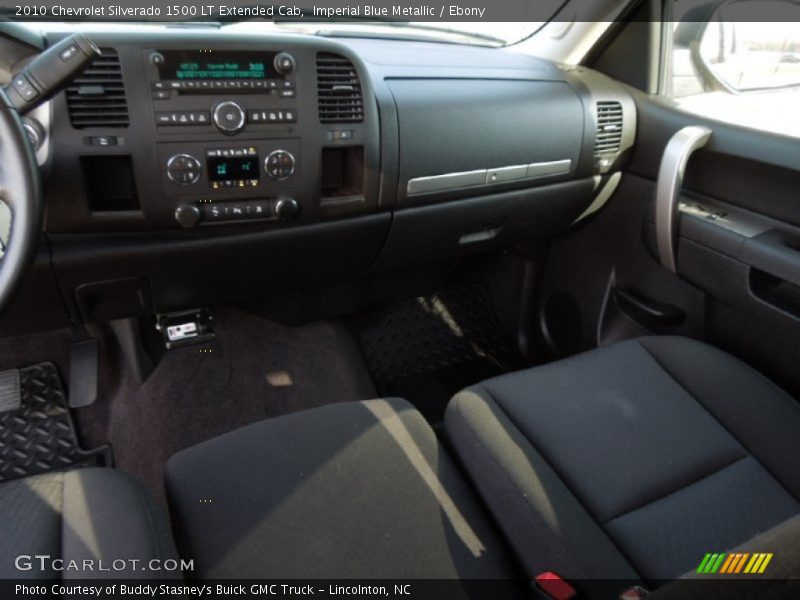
(254, 370)
(26, 350)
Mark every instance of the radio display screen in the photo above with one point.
(225, 64)
(233, 168)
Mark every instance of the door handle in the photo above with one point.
(774, 252)
(679, 149)
(649, 313)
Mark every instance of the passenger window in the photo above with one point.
(721, 65)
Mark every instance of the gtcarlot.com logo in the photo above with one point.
(732, 563)
(46, 563)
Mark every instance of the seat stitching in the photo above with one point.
(720, 423)
(675, 491)
(558, 475)
(143, 500)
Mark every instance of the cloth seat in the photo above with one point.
(632, 461)
(359, 490)
(83, 515)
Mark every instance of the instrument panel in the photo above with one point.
(239, 125)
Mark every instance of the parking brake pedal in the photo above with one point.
(186, 328)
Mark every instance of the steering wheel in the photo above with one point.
(21, 190)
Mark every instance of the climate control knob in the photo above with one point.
(286, 207)
(279, 165)
(229, 117)
(184, 169)
(188, 215)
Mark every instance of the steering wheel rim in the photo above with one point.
(20, 189)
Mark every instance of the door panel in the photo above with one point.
(738, 247)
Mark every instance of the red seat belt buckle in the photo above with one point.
(634, 593)
(554, 586)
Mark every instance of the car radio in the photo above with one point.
(226, 90)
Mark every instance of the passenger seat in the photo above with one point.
(630, 461)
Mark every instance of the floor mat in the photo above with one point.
(254, 370)
(39, 435)
(427, 349)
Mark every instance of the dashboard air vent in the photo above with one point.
(96, 98)
(609, 128)
(338, 90)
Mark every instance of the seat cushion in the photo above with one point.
(630, 460)
(86, 514)
(351, 490)
(779, 578)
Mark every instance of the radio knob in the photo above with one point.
(286, 207)
(284, 63)
(229, 117)
(188, 215)
(184, 169)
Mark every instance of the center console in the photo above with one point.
(227, 92)
(235, 133)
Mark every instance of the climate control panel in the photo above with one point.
(282, 208)
(208, 182)
(229, 168)
(233, 167)
(184, 169)
(279, 165)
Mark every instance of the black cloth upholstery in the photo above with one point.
(85, 514)
(352, 490)
(634, 459)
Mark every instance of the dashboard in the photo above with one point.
(179, 164)
(166, 132)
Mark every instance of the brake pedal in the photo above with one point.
(83, 372)
(186, 328)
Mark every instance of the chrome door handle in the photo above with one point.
(668, 188)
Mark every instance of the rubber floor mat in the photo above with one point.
(39, 436)
(427, 349)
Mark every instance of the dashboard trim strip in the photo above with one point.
(480, 177)
(448, 181)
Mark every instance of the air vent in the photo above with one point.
(609, 128)
(96, 98)
(338, 90)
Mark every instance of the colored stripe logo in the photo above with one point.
(734, 563)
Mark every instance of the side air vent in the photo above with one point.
(338, 90)
(96, 98)
(609, 128)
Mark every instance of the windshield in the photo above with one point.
(463, 32)
(482, 33)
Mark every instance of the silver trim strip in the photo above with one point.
(505, 174)
(670, 179)
(454, 181)
(543, 169)
(449, 181)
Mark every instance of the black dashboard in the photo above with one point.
(169, 131)
(185, 168)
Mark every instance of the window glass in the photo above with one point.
(723, 66)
